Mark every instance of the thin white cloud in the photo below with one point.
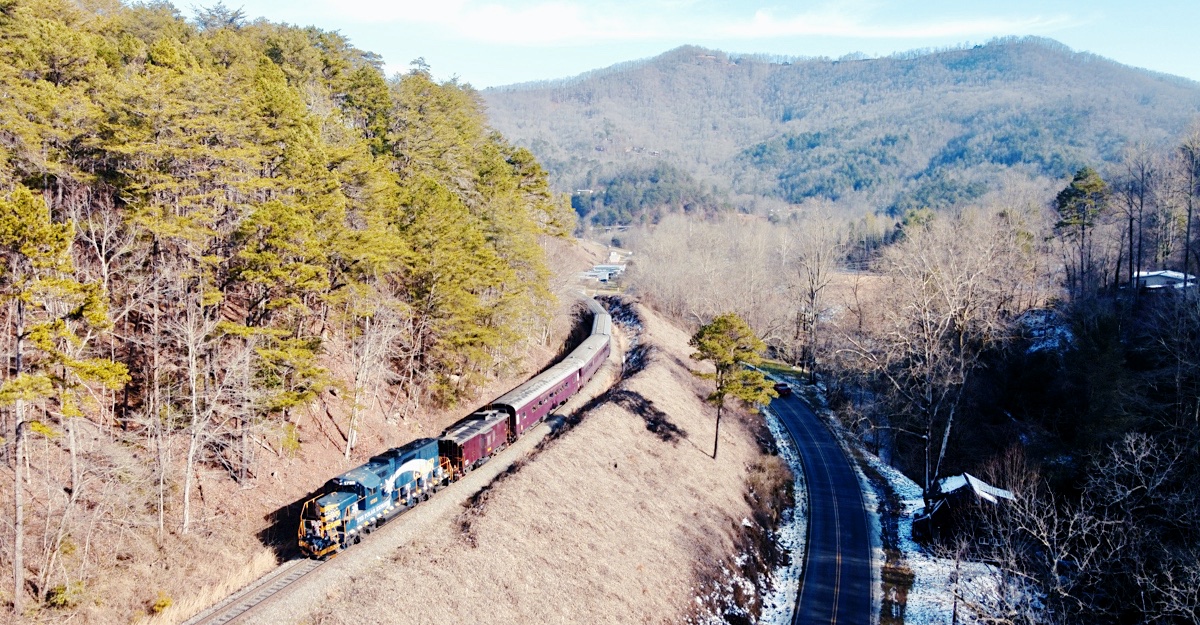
(836, 24)
(556, 22)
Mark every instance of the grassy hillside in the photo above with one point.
(922, 129)
(623, 518)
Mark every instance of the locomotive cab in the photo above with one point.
(369, 501)
(332, 521)
(322, 522)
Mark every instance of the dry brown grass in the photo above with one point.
(609, 524)
(199, 599)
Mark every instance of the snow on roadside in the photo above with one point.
(931, 598)
(780, 601)
(783, 583)
(817, 401)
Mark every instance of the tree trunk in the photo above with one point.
(1191, 163)
(1117, 269)
(812, 336)
(155, 412)
(1084, 254)
(195, 430)
(928, 442)
(1187, 245)
(1131, 274)
(717, 433)
(187, 479)
(18, 488)
(1141, 235)
(53, 547)
(945, 439)
(1187, 239)
(363, 356)
(18, 512)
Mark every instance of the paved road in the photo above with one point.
(836, 587)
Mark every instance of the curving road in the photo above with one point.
(836, 585)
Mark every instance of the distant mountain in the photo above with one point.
(922, 129)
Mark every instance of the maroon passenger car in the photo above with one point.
(529, 403)
(471, 441)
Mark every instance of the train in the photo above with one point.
(358, 501)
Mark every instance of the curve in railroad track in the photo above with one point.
(260, 591)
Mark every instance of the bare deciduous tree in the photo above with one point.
(695, 270)
(954, 287)
(1098, 557)
(371, 345)
(1187, 177)
(816, 253)
(1137, 192)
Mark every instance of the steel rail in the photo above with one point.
(255, 594)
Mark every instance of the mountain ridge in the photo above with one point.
(891, 129)
(687, 50)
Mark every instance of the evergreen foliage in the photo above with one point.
(194, 211)
(54, 312)
(642, 195)
(733, 348)
(1079, 207)
(278, 172)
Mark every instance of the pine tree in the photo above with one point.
(52, 316)
(253, 193)
(731, 346)
(1080, 206)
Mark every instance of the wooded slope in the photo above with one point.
(191, 214)
(917, 130)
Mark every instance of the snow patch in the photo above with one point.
(779, 603)
(931, 600)
(1046, 330)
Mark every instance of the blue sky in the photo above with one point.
(497, 42)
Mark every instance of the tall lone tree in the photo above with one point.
(1080, 206)
(732, 347)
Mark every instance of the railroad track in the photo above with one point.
(264, 588)
(255, 594)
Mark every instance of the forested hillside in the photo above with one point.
(1045, 339)
(916, 130)
(192, 212)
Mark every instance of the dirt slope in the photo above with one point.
(609, 523)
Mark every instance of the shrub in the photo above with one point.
(291, 440)
(160, 604)
(64, 595)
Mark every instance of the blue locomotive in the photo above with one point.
(357, 501)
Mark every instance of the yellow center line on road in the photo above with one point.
(837, 571)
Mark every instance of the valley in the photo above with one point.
(241, 257)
